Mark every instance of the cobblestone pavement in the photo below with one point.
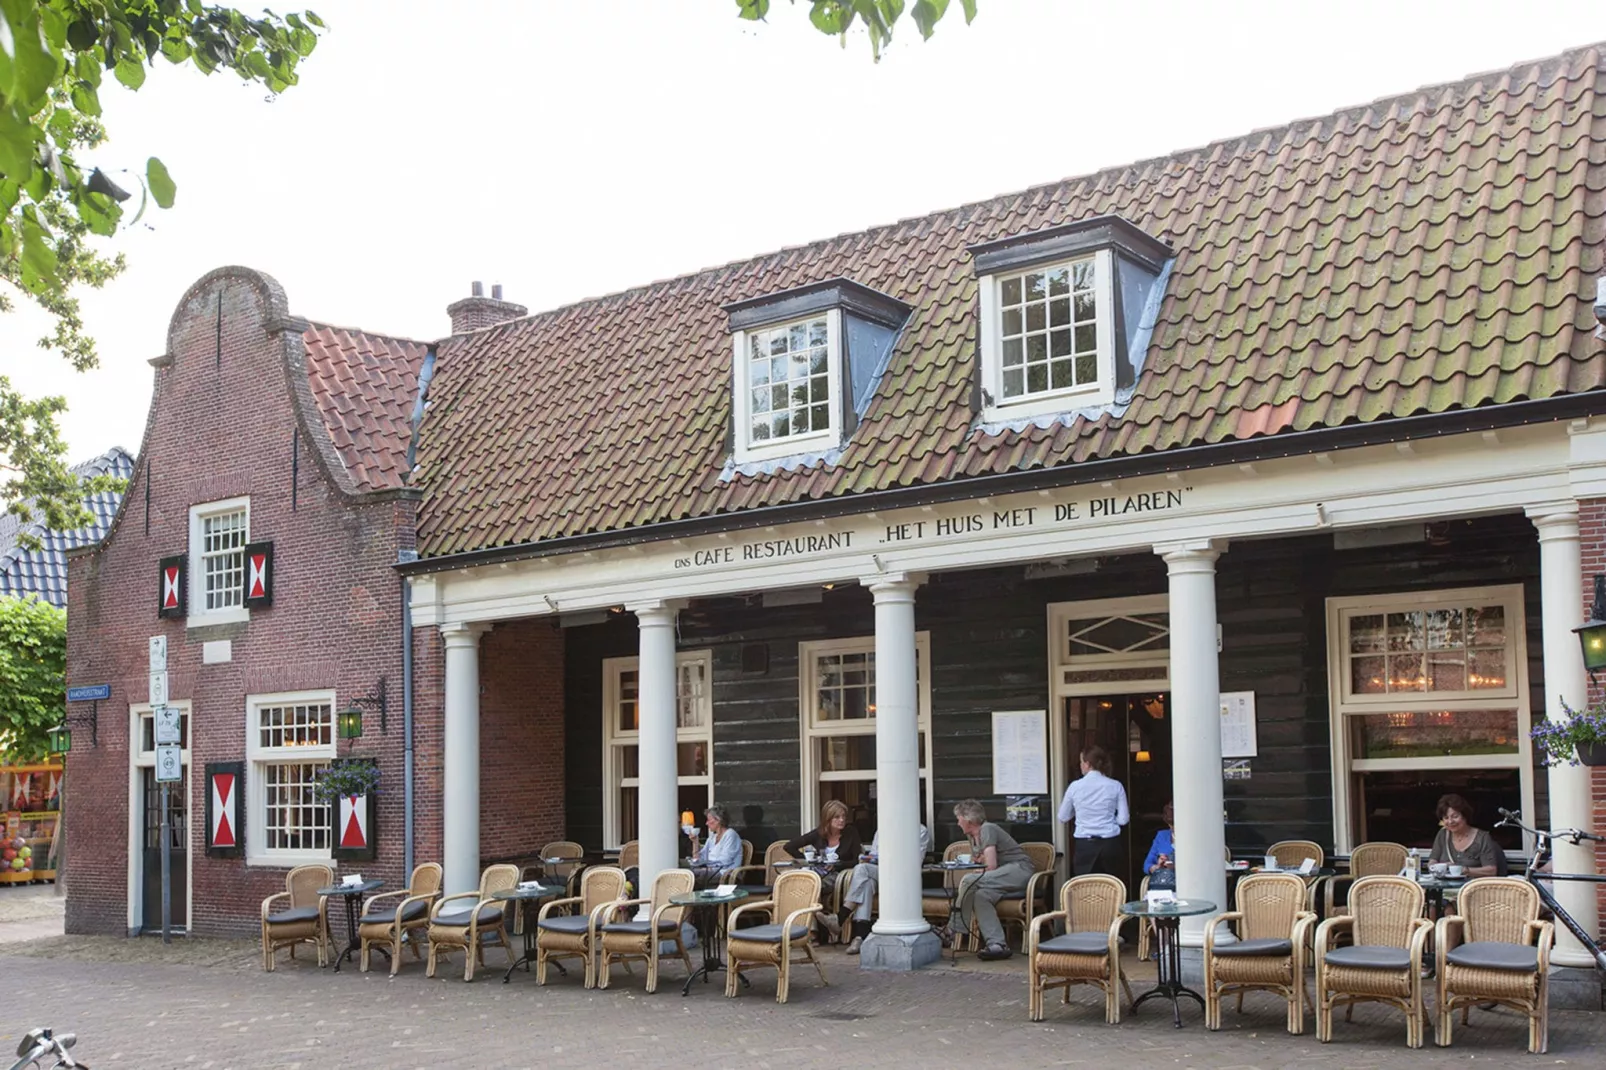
(206, 1004)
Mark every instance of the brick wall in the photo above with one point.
(475, 313)
(220, 425)
(522, 796)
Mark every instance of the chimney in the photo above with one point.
(477, 311)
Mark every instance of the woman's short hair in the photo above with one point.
(970, 810)
(1459, 804)
(1098, 758)
(720, 814)
(833, 808)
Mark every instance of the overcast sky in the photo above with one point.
(573, 149)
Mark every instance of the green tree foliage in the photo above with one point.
(33, 659)
(878, 17)
(54, 57)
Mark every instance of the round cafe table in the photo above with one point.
(709, 908)
(352, 894)
(522, 896)
(1167, 919)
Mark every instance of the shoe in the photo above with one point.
(994, 952)
(853, 945)
(833, 926)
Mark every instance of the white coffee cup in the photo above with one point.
(1457, 871)
(830, 854)
(1271, 863)
(963, 860)
(1439, 869)
(808, 854)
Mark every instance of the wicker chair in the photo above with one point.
(568, 870)
(303, 917)
(630, 855)
(747, 858)
(1269, 955)
(1089, 952)
(472, 926)
(1376, 859)
(627, 940)
(775, 852)
(1017, 908)
(389, 925)
(1146, 927)
(575, 935)
(1494, 949)
(1384, 964)
(795, 899)
(1290, 854)
(937, 904)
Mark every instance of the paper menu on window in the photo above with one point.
(1020, 752)
(1238, 725)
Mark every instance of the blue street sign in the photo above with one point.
(89, 694)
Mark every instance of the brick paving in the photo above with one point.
(206, 1004)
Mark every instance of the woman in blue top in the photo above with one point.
(1162, 852)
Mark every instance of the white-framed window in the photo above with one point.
(1048, 342)
(836, 682)
(621, 736)
(218, 534)
(1430, 696)
(788, 381)
(289, 740)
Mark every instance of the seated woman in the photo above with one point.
(723, 850)
(834, 842)
(862, 886)
(1006, 868)
(1461, 844)
(1162, 852)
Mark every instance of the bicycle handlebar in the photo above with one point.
(1572, 836)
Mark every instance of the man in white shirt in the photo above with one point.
(1095, 806)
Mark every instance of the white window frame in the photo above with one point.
(1514, 695)
(198, 615)
(996, 408)
(139, 759)
(812, 728)
(257, 757)
(613, 739)
(746, 449)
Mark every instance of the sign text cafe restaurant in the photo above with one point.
(1384, 622)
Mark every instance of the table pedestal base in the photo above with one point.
(530, 935)
(1170, 986)
(353, 944)
(710, 933)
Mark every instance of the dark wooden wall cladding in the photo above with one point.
(989, 651)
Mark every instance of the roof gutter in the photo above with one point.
(1237, 451)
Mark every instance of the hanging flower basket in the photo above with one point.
(346, 777)
(1578, 738)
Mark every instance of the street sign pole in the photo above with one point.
(167, 873)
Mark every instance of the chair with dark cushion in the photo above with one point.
(302, 916)
(1269, 954)
(1376, 859)
(790, 910)
(1494, 949)
(1089, 953)
(389, 924)
(1384, 963)
(1017, 908)
(937, 904)
(625, 939)
(742, 874)
(470, 920)
(576, 935)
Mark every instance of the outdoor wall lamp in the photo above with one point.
(1592, 633)
(348, 722)
(59, 739)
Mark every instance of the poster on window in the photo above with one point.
(356, 821)
(225, 822)
(1238, 725)
(1020, 752)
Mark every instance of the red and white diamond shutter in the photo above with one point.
(225, 830)
(258, 574)
(170, 586)
(353, 822)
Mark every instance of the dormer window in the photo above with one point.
(805, 364)
(1064, 316)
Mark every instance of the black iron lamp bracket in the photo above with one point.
(373, 700)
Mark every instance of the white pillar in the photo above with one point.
(657, 794)
(1196, 729)
(1561, 593)
(897, 749)
(460, 794)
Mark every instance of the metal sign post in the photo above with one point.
(169, 768)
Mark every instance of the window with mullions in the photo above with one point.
(789, 380)
(290, 739)
(1049, 335)
(694, 741)
(838, 679)
(218, 534)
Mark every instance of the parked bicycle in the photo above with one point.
(1536, 875)
(41, 1045)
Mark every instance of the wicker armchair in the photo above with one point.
(1384, 964)
(1088, 954)
(388, 925)
(1291, 854)
(775, 852)
(747, 858)
(1017, 908)
(796, 898)
(471, 926)
(1494, 949)
(1269, 955)
(630, 855)
(937, 904)
(1376, 859)
(575, 935)
(568, 870)
(304, 916)
(625, 939)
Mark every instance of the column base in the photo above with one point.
(1193, 966)
(1575, 989)
(902, 953)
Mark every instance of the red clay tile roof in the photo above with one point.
(365, 386)
(1419, 254)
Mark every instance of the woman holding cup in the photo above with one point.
(722, 852)
(1462, 849)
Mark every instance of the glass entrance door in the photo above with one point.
(1136, 731)
(151, 843)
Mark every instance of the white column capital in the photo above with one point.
(463, 633)
(1555, 520)
(1191, 555)
(655, 610)
(893, 586)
